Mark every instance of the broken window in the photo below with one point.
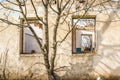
(83, 34)
(29, 42)
(86, 42)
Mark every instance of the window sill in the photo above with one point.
(31, 55)
(83, 54)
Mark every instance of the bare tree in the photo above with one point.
(62, 9)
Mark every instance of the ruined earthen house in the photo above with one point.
(91, 49)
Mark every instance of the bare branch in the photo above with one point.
(65, 5)
(58, 7)
(9, 22)
(3, 29)
(43, 3)
(9, 8)
(61, 3)
(25, 8)
(91, 6)
(34, 65)
(12, 2)
(62, 67)
(36, 12)
(75, 23)
(69, 8)
(40, 45)
(50, 4)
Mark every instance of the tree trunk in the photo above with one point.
(52, 75)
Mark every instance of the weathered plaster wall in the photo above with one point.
(105, 62)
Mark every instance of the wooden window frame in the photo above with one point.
(22, 32)
(74, 32)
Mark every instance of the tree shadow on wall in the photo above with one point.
(79, 71)
(108, 61)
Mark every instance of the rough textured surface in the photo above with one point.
(105, 62)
